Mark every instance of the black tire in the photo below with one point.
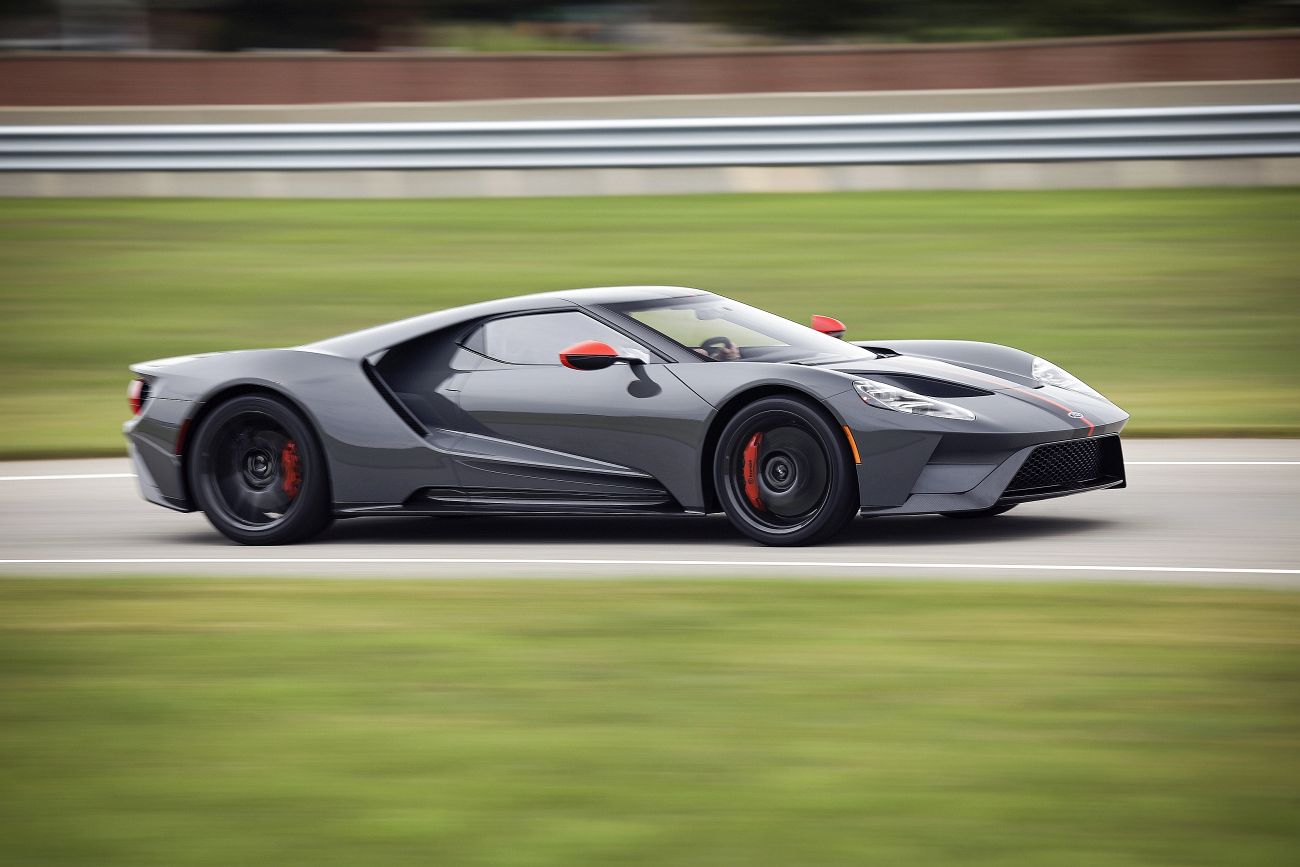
(258, 473)
(981, 513)
(802, 474)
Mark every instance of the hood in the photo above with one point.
(915, 373)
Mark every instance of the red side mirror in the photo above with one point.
(588, 355)
(829, 326)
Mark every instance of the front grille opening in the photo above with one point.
(1068, 466)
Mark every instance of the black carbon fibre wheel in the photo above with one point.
(783, 473)
(257, 473)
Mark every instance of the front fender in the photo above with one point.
(718, 384)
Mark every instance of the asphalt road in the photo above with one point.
(1196, 512)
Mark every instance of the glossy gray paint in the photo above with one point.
(988, 358)
(412, 422)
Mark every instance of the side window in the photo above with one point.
(538, 338)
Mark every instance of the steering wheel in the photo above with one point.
(719, 348)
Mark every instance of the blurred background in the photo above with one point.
(542, 25)
(1110, 184)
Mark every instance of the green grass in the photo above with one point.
(1182, 304)
(511, 38)
(191, 722)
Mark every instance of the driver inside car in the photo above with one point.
(719, 348)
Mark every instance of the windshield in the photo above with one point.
(720, 329)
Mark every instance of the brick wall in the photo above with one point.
(271, 79)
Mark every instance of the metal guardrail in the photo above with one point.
(1005, 136)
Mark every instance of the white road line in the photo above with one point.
(75, 476)
(544, 561)
(67, 476)
(1212, 463)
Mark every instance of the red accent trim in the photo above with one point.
(291, 463)
(828, 325)
(751, 472)
(1068, 410)
(586, 347)
(135, 396)
(1002, 383)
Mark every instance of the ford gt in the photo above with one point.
(614, 401)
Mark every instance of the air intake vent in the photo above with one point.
(1066, 466)
(923, 385)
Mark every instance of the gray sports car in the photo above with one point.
(626, 400)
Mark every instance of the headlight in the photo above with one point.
(1049, 374)
(902, 400)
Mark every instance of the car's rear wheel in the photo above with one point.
(258, 474)
(783, 473)
(981, 513)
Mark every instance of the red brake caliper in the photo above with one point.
(292, 474)
(751, 472)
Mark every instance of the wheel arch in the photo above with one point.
(241, 389)
(727, 410)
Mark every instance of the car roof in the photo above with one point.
(359, 344)
(620, 294)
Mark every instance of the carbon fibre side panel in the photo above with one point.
(374, 456)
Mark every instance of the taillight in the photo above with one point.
(136, 394)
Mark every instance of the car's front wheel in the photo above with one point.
(783, 474)
(257, 473)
